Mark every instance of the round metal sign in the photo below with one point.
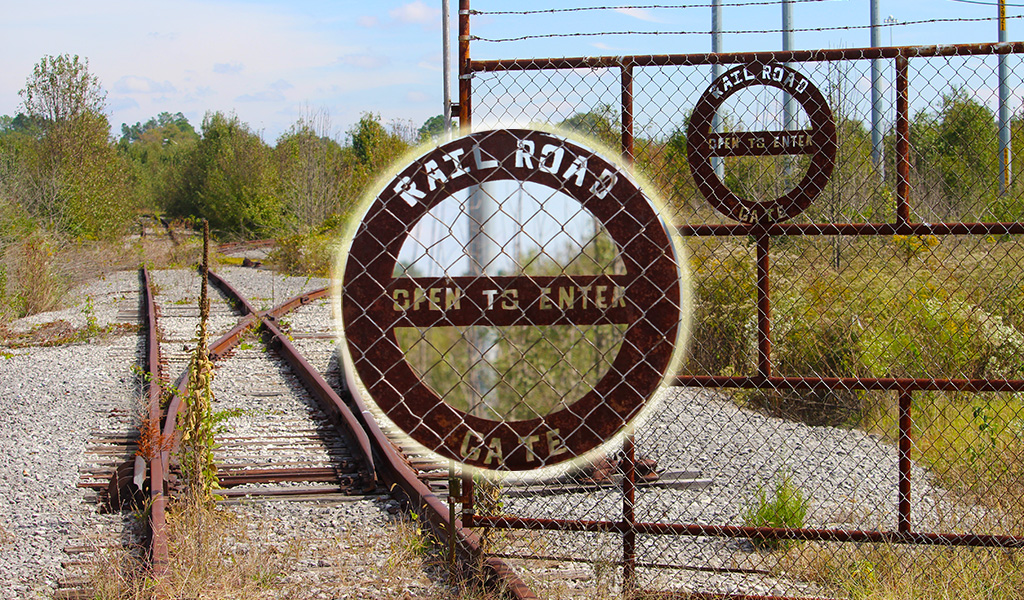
(647, 298)
(819, 142)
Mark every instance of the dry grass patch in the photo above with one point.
(897, 572)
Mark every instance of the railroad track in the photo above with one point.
(296, 450)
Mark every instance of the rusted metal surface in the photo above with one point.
(627, 113)
(902, 140)
(760, 222)
(852, 229)
(766, 533)
(680, 60)
(819, 142)
(901, 384)
(906, 427)
(328, 399)
(764, 307)
(647, 297)
(465, 81)
(158, 465)
(395, 471)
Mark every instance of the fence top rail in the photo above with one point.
(661, 60)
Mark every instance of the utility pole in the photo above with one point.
(877, 158)
(716, 72)
(1005, 151)
(790, 106)
(446, 66)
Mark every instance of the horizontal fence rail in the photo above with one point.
(845, 401)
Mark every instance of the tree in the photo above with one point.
(956, 150)
(61, 88)
(58, 163)
(432, 128)
(601, 123)
(154, 151)
(229, 178)
(313, 171)
(167, 125)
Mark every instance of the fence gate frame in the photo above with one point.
(903, 388)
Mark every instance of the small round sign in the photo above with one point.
(819, 142)
(646, 298)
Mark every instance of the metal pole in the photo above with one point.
(479, 247)
(902, 140)
(876, 94)
(1005, 150)
(446, 66)
(790, 106)
(465, 90)
(716, 71)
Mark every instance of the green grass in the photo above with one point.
(784, 507)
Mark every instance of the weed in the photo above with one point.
(38, 287)
(199, 424)
(785, 508)
(411, 541)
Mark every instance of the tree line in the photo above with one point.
(63, 170)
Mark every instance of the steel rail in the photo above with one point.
(157, 467)
(394, 470)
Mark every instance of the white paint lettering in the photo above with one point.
(406, 188)
(524, 153)
(435, 176)
(551, 158)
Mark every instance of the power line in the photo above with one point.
(739, 31)
(987, 3)
(640, 7)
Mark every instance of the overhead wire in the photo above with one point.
(737, 31)
(636, 7)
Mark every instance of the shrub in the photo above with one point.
(785, 508)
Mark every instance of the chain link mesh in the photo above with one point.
(852, 384)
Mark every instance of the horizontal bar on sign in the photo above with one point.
(853, 383)
(853, 229)
(681, 60)
(733, 531)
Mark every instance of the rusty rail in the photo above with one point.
(158, 465)
(381, 457)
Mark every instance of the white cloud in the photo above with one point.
(639, 13)
(416, 12)
(281, 85)
(417, 96)
(201, 56)
(134, 84)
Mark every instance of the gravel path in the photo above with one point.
(52, 398)
(50, 401)
(848, 477)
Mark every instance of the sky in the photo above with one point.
(273, 61)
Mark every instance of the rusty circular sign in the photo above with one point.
(819, 142)
(647, 298)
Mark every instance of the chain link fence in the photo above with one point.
(847, 418)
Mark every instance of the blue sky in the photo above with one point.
(269, 61)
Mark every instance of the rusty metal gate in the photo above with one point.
(849, 413)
